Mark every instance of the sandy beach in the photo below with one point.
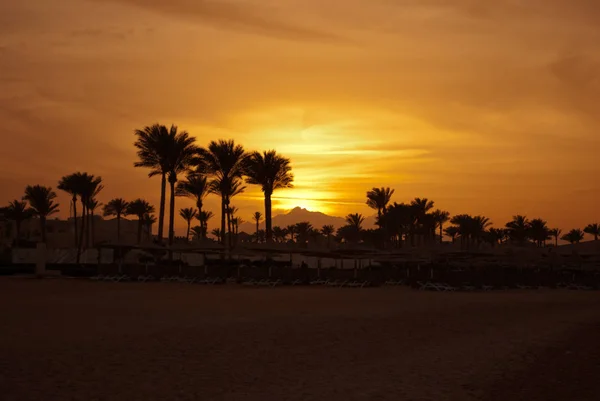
(64, 339)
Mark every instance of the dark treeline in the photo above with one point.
(224, 168)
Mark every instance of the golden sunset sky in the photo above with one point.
(486, 107)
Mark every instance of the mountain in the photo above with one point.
(298, 214)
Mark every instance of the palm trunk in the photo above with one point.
(43, 228)
(228, 229)
(187, 235)
(161, 212)
(199, 206)
(172, 213)
(75, 217)
(93, 234)
(441, 233)
(81, 232)
(268, 229)
(221, 234)
(257, 231)
(118, 227)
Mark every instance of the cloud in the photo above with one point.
(235, 16)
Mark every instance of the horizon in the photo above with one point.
(486, 109)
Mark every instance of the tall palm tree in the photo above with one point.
(231, 211)
(153, 144)
(18, 212)
(224, 161)
(271, 171)
(441, 217)
(378, 199)
(196, 187)
(41, 201)
(257, 217)
(141, 209)
(328, 230)
(574, 236)
(188, 214)
(203, 218)
(539, 231)
(72, 185)
(555, 232)
(593, 229)
(116, 207)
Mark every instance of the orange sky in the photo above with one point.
(486, 107)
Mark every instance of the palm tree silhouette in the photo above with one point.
(441, 217)
(231, 211)
(452, 232)
(355, 221)
(18, 212)
(396, 223)
(217, 233)
(593, 229)
(257, 217)
(291, 229)
(279, 234)
(495, 236)
(518, 229)
(198, 232)
(539, 232)
(188, 214)
(302, 230)
(328, 230)
(378, 199)
(203, 218)
(116, 207)
(72, 185)
(141, 209)
(196, 187)
(153, 145)
(574, 236)
(224, 161)
(271, 171)
(555, 232)
(149, 221)
(41, 201)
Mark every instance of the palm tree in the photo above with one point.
(441, 217)
(196, 187)
(593, 229)
(188, 214)
(279, 234)
(355, 220)
(141, 209)
(518, 229)
(302, 230)
(574, 236)
(72, 184)
(88, 187)
(231, 211)
(41, 201)
(224, 161)
(203, 218)
(217, 233)
(149, 221)
(198, 232)
(328, 230)
(479, 228)
(153, 144)
(378, 199)
(257, 217)
(452, 232)
(18, 212)
(92, 205)
(555, 232)
(291, 229)
(116, 207)
(422, 224)
(538, 231)
(495, 236)
(271, 171)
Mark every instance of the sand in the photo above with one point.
(66, 339)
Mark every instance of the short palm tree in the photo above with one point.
(574, 236)
(141, 209)
(555, 233)
(195, 186)
(257, 217)
(224, 162)
(539, 231)
(441, 217)
(203, 218)
(518, 229)
(279, 234)
(217, 233)
(452, 232)
(41, 201)
(291, 230)
(328, 230)
(18, 212)
(272, 172)
(116, 207)
(355, 220)
(495, 236)
(302, 230)
(188, 214)
(378, 199)
(197, 231)
(593, 229)
(149, 221)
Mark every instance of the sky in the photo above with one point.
(485, 107)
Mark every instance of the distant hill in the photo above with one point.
(298, 214)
